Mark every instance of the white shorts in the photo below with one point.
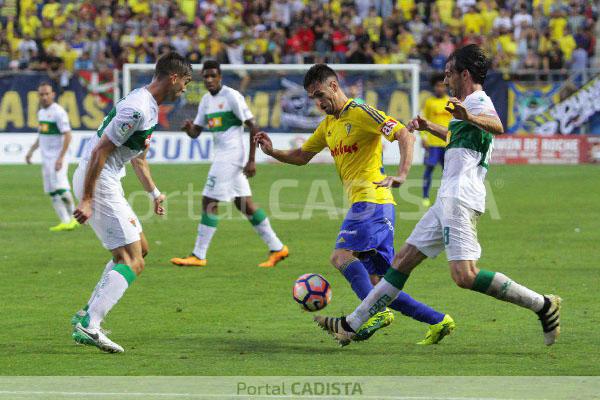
(113, 220)
(55, 180)
(448, 225)
(226, 181)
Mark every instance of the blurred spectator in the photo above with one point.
(579, 60)
(27, 49)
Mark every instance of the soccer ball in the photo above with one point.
(312, 292)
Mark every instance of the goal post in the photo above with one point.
(276, 97)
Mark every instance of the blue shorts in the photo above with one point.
(434, 156)
(369, 229)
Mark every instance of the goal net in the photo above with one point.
(277, 98)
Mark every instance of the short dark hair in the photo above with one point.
(211, 64)
(318, 73)
(473, 59)
(46, 83)
(172, 63)
(435, 78)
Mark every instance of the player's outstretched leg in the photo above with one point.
(206, 231)
(61, 211)
(501, 287)
(260, 222)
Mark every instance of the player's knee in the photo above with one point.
(137, 265)
(374, 279)
(144, 250)
(464, 278)
(339, 259)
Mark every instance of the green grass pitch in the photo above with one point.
(232, 318)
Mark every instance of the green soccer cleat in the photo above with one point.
(437, 332)
(79, 317)
(376, 322)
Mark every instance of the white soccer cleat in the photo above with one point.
(550, 319)
(96, 337)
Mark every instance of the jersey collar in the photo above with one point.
(346, 106)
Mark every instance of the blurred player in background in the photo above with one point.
(124, 136)
(54, 140)
(224, 112)
(434, 111)
(364, 247)
(451, 223)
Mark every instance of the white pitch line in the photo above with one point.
(241, 396)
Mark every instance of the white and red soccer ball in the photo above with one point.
(312, 292)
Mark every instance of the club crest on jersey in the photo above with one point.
(125, 127)
(132, 221)
(221, 106)
(348, 127)
(215, 122)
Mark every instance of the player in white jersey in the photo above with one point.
(124, 136)
(450, 223)
(224, 112)
(53, 141)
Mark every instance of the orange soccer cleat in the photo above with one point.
(189, 261)
(275, 257)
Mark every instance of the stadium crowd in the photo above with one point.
(64, 36)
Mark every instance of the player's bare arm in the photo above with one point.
(250, 168)
(489, 123)
(67, 137)
(294, 156)
(406, 143)
(98, 157)
(422, 124)
(192, 130)
(142, 170)
(33, 148)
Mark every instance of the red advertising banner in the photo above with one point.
(558, 149)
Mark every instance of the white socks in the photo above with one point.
(379, 297)
(205, 234)
(113, 286)
(67, 198)
(505, 289)
(109, 266)
(268, 235)
(61, 209)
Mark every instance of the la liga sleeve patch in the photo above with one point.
(388, 126)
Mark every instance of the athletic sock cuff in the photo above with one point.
(210, 220)
(483, 280)
(395, 278)
(126, 272)
(259, 216)
(348, 263)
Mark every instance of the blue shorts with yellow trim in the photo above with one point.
(369, 229)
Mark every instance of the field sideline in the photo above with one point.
(232, 318)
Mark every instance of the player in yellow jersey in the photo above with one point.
(364, 247)
(434, 110)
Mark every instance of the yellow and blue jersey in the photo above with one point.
(434, 111)
(354, 141)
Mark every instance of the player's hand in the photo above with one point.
(159, 209)
(28, 158)
(264, 141)
(58, 165)
(457, 110)
(417, 124)
(391, 181)
(188, 127)
(250, 169)
(83, 212)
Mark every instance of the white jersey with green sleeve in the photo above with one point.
(129, 125)
(53, 124)
(224, 115)
(467, 155)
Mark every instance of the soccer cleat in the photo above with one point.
(550, 318)
(376, 322)
(73, 224)
(426, 203)
(95, 337)
(79, 317)
(60, 227)
(275, 257)
(333, 326)
(437, 332)
(189, 261)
